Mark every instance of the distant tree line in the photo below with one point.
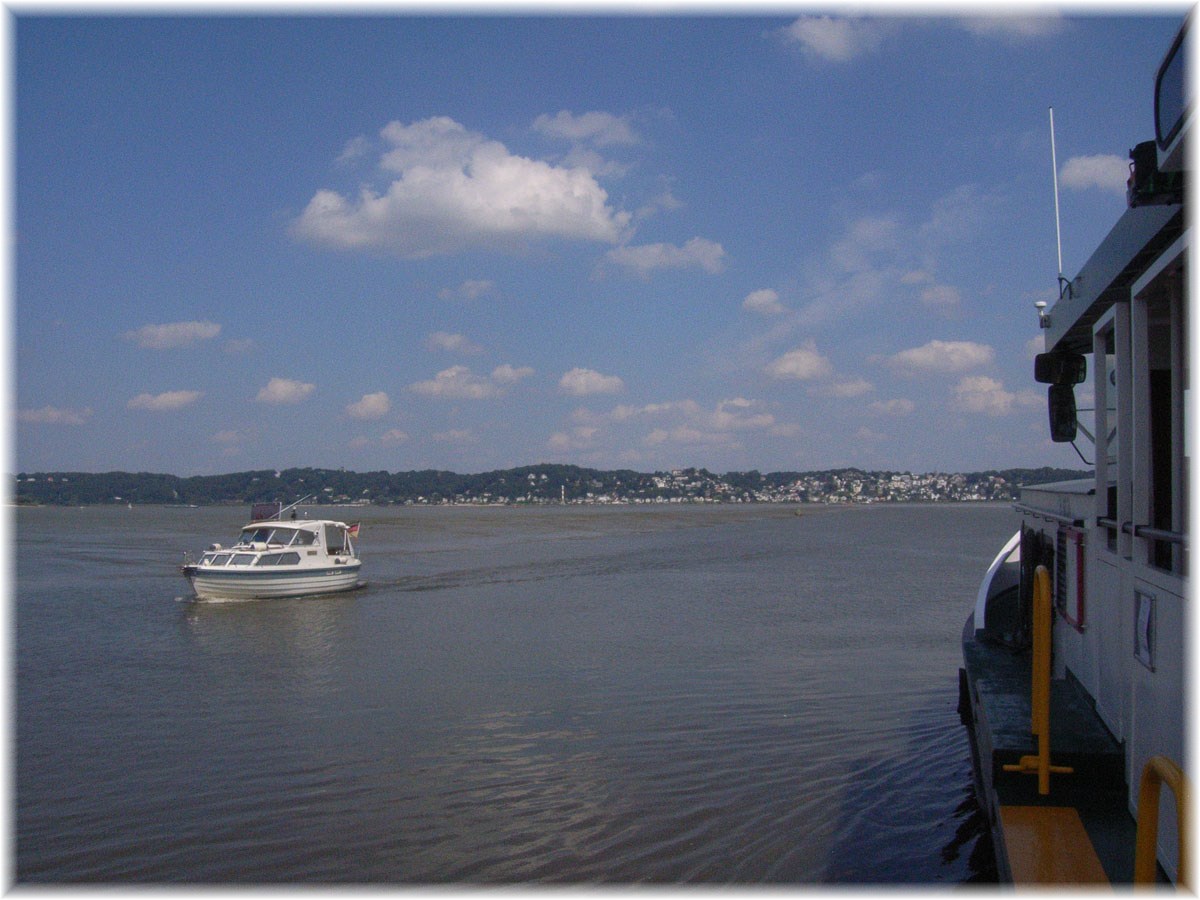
(540, 483)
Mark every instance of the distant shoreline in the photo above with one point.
(544, 484)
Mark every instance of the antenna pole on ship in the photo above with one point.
(1057, 224)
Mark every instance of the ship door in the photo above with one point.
(1108, 576)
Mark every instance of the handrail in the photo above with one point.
(1145, 531)
(1040, 697)
(1048, 516)
(1159, 769)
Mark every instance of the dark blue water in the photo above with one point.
(563, 695)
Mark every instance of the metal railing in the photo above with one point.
(1158, 770)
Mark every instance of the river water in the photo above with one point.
(567, 695)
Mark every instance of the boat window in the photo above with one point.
(1172, 95)
(243, 559)
(335, 540)
(303, 539)
(279, 559)
(217, 559)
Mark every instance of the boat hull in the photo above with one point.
(219, 584)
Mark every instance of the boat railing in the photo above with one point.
(1159, 770)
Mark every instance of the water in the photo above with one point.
(562, 695)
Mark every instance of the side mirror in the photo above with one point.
(1059, 368)
(1062, 413)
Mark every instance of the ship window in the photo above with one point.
(243, 559)
(1106, 431)
(304, 539)
(1166, 354)
(218, 559)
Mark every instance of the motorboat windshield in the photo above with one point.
(277, 536)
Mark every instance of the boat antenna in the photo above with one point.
(1057, 224)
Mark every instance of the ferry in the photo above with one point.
(1074, 656)
(277, 558)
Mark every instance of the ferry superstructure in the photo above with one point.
(1074, 683)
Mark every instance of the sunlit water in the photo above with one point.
(564, 695)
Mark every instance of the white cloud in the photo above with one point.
(835, 39)
(600, 129)
(942, 357)
(394, 436)
(54, 415)
(739, 414)
(941, 297)
(803, 363)
(371, 406)
(843, 390)
(1015, 27)
(896, 407)
(455, 190)
(173, 334)
(764, 301)
(581, 437)
(646, 258)
(471, 289)
(1104, 171)
(456, 436)
(866, 238)
(284, 390)
(453, 343)
(165, 402)
(980, 394)
(582, 382)
(507, 374)
(456, 383)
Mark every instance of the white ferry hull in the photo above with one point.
(210, 584)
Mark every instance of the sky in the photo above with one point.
(794, 240)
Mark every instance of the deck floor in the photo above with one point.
(999, 680)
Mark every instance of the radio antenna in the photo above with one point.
(1057, 224)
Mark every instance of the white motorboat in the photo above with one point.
(275, 557)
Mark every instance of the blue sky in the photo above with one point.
(787, 241)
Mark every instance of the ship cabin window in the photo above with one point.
(1107, 430)
(243, 559)
(1161, 330)
(216, 559)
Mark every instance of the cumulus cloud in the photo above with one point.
(1015, 27)
(471, 289)
(1106, 172)
(165, 402)
(394, 436)
(284, 391)
(843, 390)
(980, 394)
(456, 383)
(582, 382)
(600, 129)
(696, 253)
(941, 297)
(896, 407)
(54, 415)
(454, 343)
(804, 363)
(834, 39)
(507, 374)
(173, 334)
(455, 189)
(949, 357)
(764, 302)
(371, 406)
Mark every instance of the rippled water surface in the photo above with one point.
(564, 695)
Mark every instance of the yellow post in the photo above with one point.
(1039, 722)
(1157, 770)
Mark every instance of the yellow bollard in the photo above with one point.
(1157, 770)
(1039, 722)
